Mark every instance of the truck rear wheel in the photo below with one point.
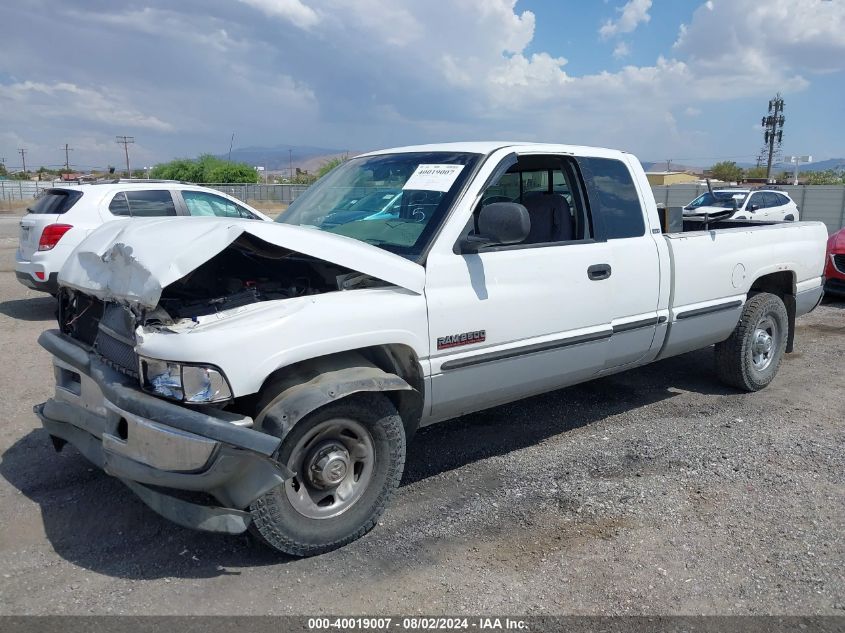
(348, 458)
(749, 359)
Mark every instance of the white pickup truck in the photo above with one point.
(267, 376)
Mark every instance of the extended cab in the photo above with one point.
(279, 369)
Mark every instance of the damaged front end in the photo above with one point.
(171, 428)
(159, 449)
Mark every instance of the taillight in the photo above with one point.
(51, 235)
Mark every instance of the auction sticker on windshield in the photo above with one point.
(433, 177)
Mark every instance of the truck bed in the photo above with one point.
(713, 270)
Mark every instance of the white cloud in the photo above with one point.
(631, 15)
(387, 72)
(63, 100)
(291, 10)
(774, 38)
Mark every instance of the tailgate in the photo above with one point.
(31, 228)
(47, 209)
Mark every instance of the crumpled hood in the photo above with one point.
(131, 261)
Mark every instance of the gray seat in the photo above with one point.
(551, 218)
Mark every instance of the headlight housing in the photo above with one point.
(193, 384)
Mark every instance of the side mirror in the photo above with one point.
(753, 207)
(499, 223)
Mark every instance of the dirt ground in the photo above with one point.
(656, 491)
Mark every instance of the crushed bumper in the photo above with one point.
(150, 444)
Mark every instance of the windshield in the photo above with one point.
(722, 199)
(393, 201)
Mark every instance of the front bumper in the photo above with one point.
(835, 286)
(145, 441)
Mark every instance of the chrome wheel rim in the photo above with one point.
(333, 465)
(764, 343)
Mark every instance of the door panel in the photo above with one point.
(635, 299)
(545, 324)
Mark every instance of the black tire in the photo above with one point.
(279, 524)
(735, 357)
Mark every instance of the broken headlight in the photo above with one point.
(195, 384)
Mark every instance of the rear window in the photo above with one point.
(143, 204)
(55, 201)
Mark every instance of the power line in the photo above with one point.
(773, 129)
(67, 157)
(126, 141)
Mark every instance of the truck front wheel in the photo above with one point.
(749, 359)
(348, 458)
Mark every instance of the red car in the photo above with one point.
(834, 271)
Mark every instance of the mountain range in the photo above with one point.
(282, 157)
(836, 164)
(310, 158)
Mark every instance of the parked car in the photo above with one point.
(757, 204)
(62, 217)
(834, 271)
(282, 368)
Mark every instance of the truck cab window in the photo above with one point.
(548, 188)
(614, 196)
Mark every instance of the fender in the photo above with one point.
(337, 378)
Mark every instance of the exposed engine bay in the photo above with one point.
(246, 272)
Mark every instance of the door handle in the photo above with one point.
(597, 272)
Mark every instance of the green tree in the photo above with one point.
(328, 165)
(828, 177)
(206, 168)
(3, 171)
(727, 170)
(755, 172)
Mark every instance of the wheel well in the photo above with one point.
(781, 284)
(396, 359)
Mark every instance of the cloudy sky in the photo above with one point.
(681, 79)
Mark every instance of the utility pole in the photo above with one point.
(668, 165)
(22, 151)
(231, 142)
(126, 141)
(67, 157)
(773, 130)
(290, 163)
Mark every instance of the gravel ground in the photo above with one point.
(656, 491)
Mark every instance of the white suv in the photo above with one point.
(62, 217)
(751, 204)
